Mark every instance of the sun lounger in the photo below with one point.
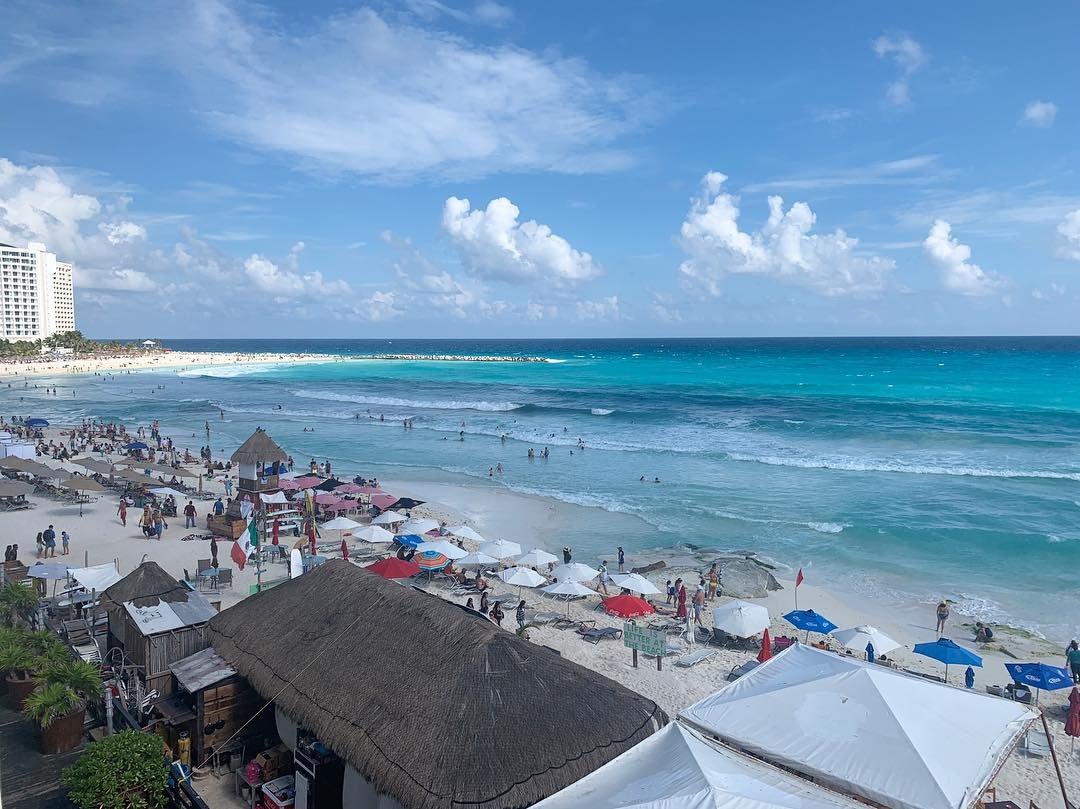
(596, 635)
(692, 659)
(543, 618)
(1035, 744)
(738, 671)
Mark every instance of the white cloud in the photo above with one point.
(485, 12)
(1040, 113)
(664, 308)
(1070, 233)
(916, 170)
(118, 280)
(604, 309)
(288, 283)
(784, 248)
(952, 258)
(36, 204)
(494, 245)
(1050, 293)
(908, 55)
(122, 232)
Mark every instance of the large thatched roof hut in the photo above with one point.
(432, 704)
(258, 449)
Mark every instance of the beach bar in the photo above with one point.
(259, 462)
(389, 697)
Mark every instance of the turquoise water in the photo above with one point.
(897, 469)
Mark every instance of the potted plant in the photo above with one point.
(22, 657)
(18, 604)
(58, 705)
(124, 771)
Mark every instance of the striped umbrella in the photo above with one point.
(431, 561)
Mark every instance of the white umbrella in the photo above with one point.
(635, 583)
(575, 571)
(476, 560)
(857, 637)
(165, 491)
(443, 546)
(568, 587)
(501, 549)
(389, 518)
(741, 618)
(522, 577)
(465, 532)
(537, 558)
(374, 534)
(419, 526)
(339, 524)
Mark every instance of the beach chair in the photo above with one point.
(224, 578)
(544, 618)
(203, 564)
(692, 659)
(594, 636)
(738, 671)
(1035, 744)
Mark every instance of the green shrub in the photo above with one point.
(124, 771)
(51, 702)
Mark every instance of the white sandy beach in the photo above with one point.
(98, 537)
(151, 360)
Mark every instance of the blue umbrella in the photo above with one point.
(410, 540)
(1040, 676)
(48, 570)
(810, 621)
(136, 445)
(949, 653)
(37, 423)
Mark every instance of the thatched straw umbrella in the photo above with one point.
(432, 703)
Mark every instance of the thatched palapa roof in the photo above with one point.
(435, 705)
(147, 585)
(259, 448)
(169, 604)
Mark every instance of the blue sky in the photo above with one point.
(490, 169)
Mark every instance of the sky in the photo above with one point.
(485, 169)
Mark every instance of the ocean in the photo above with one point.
(902, 470)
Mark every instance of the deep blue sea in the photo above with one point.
(906, 469)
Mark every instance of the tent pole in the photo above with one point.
(1053, 755)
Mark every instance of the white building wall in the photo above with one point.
(37, 297)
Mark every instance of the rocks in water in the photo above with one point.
(745, 577)
(649, 568)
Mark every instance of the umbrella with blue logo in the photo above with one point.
(409, 540)
(1039, 676)
(136, 445)
(949, 653)
(37, 423)
(810, 621)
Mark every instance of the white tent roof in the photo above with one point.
(866, 730)
(98, 577)
(277, 498)
(676, 768)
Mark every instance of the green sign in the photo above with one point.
(647, 641)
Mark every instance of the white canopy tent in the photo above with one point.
(676, 768)
(866, 730)
(98, 577)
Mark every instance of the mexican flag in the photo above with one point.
(248, 541)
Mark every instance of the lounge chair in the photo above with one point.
(1035, 744)
(738, 671)
(543, 618)
(224, 578)
(596, 635)
(692, 659)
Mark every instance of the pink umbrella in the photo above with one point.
(326, 499)
(289, 485)
(308, 481)
(348, 488)
(383, 501)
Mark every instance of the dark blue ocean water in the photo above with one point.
(912, 468)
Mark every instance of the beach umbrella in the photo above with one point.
(374, 534)
(501, 549)
(326, 499)
(537, 558)
(51, 571)
(1072, 721)
(406, 503)
(443, 546)
(635, 583)
(419, 525)
(476, 559)
(766, 647)
(575, 571)
(522, 577)
(626, 606)
(568, 588)
(857, 637)
(37, 423)
(327, 485)
(344, 550)
(389, 518)
(949, 653)
(348, 488)
(394, 568)
(165, 491)
(741, 619)
(409, 540)
(100, 467)
(430, 561)
(339, 524)
(82, 484)
(383, 501)
(810, 621)
(134, 445)
(465, 532)
(1039, 676)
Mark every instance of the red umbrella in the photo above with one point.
(344, 550)
(394, 568)
(627, 606)
(383, 501)
(766, 647)
(277, 528)
(1072, 722)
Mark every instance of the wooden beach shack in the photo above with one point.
(259, 462)
(389, 697)
(156, 620)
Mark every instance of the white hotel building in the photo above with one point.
(38, 296)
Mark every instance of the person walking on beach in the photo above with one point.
(484, 603)
(40, 543)
(1072, 657)
(64, 541)
(497, 614)
(942, 617)
(680, 597)
(189, 514)
(714, 582)
(699, 603)
(520, 615)
(219, 507)
(228, 485)
(49, 535)
(622, 559)
(122, 511)
(602, 567)
(670, 589)
(213, 551)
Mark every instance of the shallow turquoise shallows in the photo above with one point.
(903, 469)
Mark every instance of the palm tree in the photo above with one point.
(17, 604)
(51, 702)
